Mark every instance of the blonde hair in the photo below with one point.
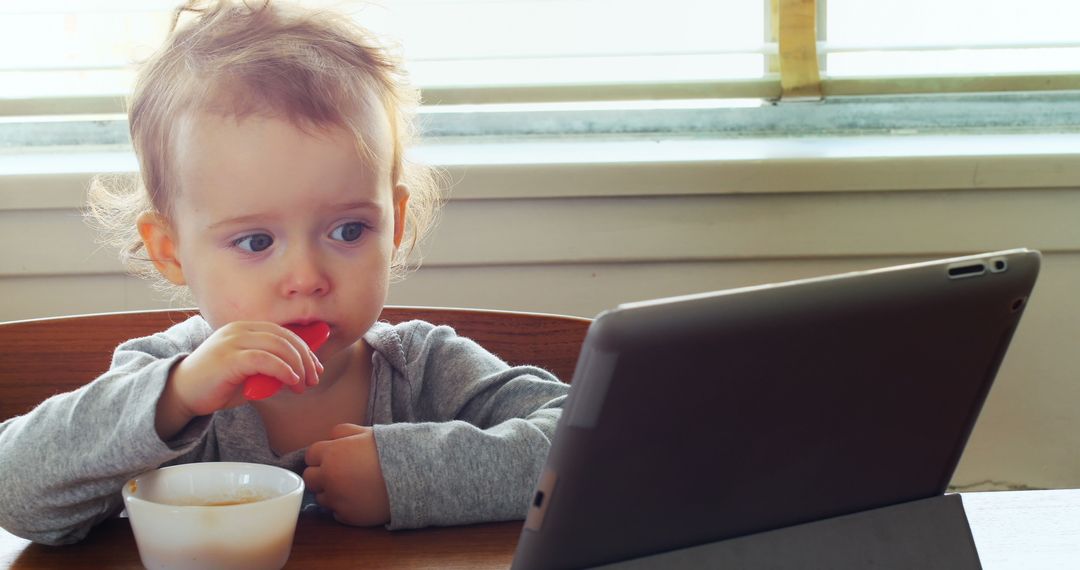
(317, 69)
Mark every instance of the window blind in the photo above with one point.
(76, 56)
(80, 53)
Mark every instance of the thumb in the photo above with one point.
(345, 430)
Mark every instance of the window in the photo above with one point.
(690, 57)
(78, 48)
(957, 37)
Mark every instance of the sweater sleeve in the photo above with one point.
(65, 461)
(477, 436)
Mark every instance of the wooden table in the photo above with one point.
(320, 544)
(1012, 530)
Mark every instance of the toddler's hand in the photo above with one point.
(345, 475)
(212, 377)
(262, 386)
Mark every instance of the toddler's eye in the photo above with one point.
(254, 243)
(350, 231)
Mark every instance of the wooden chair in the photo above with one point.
(42, 357)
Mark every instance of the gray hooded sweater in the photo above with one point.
(461, 435)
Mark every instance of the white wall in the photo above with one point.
(579, 227)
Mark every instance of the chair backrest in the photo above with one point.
(42, 357)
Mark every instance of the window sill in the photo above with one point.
(593, 167)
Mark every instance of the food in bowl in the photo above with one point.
(214, 515)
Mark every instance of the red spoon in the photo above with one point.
(262, 386)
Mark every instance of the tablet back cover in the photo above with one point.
(701, 418)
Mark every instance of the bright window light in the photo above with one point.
(87, 47)
(951, 37)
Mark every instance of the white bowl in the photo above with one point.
(214, 515)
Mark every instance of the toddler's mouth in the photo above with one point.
(313, 332)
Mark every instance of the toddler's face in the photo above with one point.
(276, 223)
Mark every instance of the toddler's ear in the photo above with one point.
(157, 235)
(401, 203)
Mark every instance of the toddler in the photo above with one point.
(275, 190)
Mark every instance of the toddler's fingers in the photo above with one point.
(312, 367)
(313, 457)
(255, 361)
(345, 430)
(279, 342)
(300, 387)
(295, 351)
(310, 363)
(313, 480)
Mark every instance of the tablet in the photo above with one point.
(705, 417)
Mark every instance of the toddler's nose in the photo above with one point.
(305, 276)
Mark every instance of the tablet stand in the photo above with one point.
(927, 534)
